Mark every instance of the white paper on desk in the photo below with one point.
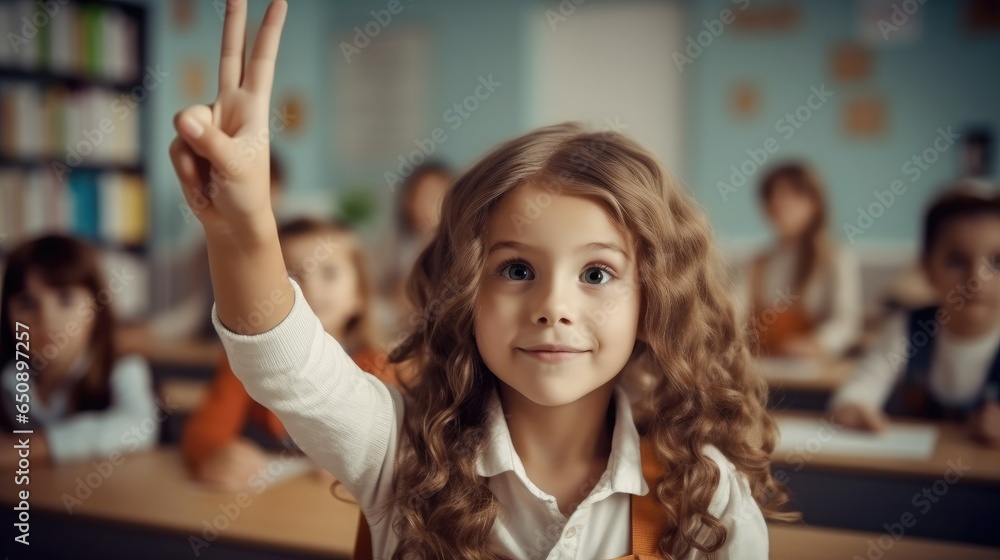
(789, 368)
(806, 435)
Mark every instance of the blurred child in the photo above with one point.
(83, 400)
(941, 362)
(190, 316)
(418, 212)
(804, 292)
(224, 440)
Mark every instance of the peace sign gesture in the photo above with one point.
(221, 154)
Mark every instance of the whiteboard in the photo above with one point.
(606, 62)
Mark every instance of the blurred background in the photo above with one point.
(379, 104)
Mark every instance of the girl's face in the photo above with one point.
(425, 206)
(962, 266)
(790, 210)
(321, 264)
(558, 306)
(60, 318)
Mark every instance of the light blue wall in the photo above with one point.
(301, 69)
(944, 79)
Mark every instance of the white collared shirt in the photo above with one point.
(129, 423)
(350, 423)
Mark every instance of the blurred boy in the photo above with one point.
(941, 362)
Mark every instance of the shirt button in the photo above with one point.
(571, 532)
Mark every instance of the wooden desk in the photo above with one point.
(151, 491)
(831, 377)
(183, 353)
(952, 445)
(796, 542)
(865, 493)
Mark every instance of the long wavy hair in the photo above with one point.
(693, 371)
(814, 247)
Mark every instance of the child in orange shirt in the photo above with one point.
(223, 442)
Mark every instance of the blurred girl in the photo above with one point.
(942, 361)
(559, 353)
(224, 441)
(83, 399)
(804, 292)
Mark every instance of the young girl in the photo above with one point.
(83, 399)
(941, 361)
(574, 325)
(804, 292)
(222, 442)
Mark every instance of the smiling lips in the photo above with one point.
(552, 353)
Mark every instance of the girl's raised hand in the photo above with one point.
(222, 152)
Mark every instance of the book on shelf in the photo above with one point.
(108, 208)
(78, 39)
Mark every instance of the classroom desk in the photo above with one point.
(798, 542)
(865, 493)
(184, 395)
(805, 393)
(147, 508)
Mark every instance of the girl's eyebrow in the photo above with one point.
(586, 248)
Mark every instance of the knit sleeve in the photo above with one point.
(345, 419)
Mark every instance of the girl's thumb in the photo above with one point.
(194, 124)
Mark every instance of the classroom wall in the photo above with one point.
(944, 79)
(472, 38)
(301, 63)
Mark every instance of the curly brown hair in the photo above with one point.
(693, 370)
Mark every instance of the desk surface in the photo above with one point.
(831, 376)
(795, 542)
(151, 489)
(953, 446)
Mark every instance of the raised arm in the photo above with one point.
(221, 156)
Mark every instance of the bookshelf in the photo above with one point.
(74, 85)
(73, 81)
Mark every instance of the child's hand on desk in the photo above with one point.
(221, 154)
(857, 417)
(984, 424)
(232, 466)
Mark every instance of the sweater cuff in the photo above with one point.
(286, 347)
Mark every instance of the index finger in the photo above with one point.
(233, 45)
(260, 73)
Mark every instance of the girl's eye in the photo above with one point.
(597, 274)
(516, 271)
(955, 260)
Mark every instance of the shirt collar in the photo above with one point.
(624, 472)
